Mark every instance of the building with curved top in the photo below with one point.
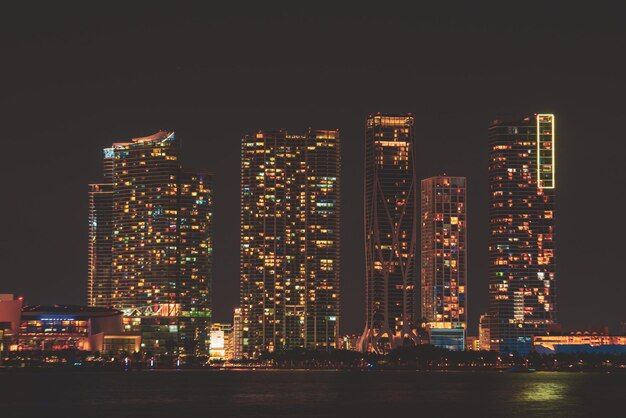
(151, 244)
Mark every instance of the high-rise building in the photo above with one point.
(390, 232)
(290, 240)
(237, 335)
(522, 283)
(159, 218)
(100, 284)
(444, 255)
(484, 335)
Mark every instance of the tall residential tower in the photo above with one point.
(444, 259)
(290, 240)
(522, 283)
(390, 232)
(159, 218)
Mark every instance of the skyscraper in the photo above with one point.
(99, 283)
(390, 232)
(160, 242)
(290, 240)
(444, 257)
(522, 283)
(237, 334)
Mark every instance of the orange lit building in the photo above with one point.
(290, 240)
(484, 333)
(444, 256)
(580, 342)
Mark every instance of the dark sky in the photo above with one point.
(74, 80)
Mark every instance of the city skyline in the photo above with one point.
(454, 74)
(103, 190)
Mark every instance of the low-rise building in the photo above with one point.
(63, 327)
(221, 342)
(580, 342)
(349, 342)
(472, 343)
(448, 338)
(484, 334)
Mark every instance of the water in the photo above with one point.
(182, 394)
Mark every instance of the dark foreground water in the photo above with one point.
(182, 394)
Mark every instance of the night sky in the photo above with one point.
(76, 80)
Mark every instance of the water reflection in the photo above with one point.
(542, 391)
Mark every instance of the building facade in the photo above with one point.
(484, 334)
(290, 240)
(61, 327)
(10, 317)
(100, 283)
(522, 282)
(390, 232)
(238, 352)
(159, 216)
(222, 342)
(444, 254)
(580, 342)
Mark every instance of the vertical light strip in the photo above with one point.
(542, 119)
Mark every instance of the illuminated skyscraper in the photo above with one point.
(290, 240)
(444, 254)
(390, 232)
(522, 300)
(160, 226)
(99, 283)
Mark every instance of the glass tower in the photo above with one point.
(99, 288)
(390, 232)
(522, 283)
(444, 254)
(160, 244)
(290, 240)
